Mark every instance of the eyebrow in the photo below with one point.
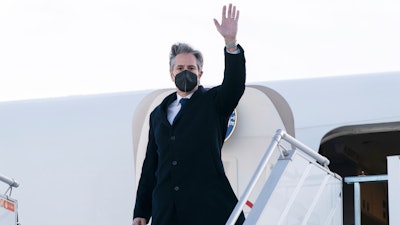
(186, 65)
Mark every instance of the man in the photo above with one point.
(183, 180)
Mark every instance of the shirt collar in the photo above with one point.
(178, 97)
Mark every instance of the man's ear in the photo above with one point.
(172, 76)
(200, 74)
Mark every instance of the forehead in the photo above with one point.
(185, 59)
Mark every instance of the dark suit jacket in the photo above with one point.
(182, 170)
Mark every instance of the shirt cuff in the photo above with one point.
(237, 51)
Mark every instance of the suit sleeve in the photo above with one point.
(143, 203)
(233, 84)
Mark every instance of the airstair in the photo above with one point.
(8, 206)
(301, 190)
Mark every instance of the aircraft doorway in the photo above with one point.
(362, 149)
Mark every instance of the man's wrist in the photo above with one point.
(231, 46)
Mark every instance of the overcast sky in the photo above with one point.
(51, 48)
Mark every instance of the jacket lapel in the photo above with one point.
(195, 95)
(164, 108)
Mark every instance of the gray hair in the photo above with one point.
(179, 48)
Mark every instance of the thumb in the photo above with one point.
(217, 25)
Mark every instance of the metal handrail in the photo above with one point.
(9, 181)
(261, 166)
(279, 135)
(356, 180)
(318, 157)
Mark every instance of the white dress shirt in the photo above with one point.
(174, 107)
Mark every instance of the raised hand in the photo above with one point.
(229, 24)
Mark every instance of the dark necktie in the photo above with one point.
(183, 102)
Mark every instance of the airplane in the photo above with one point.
(77, 159)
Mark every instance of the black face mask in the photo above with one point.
(186, 81)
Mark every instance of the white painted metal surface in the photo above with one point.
(394, 189)
(8, 210)
(298, 191)
(9, 181)
(77, 151)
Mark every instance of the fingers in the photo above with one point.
(224, 12)
(216, 23)
(232, 12)
(228, 25)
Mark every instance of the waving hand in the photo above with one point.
(229, 24)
